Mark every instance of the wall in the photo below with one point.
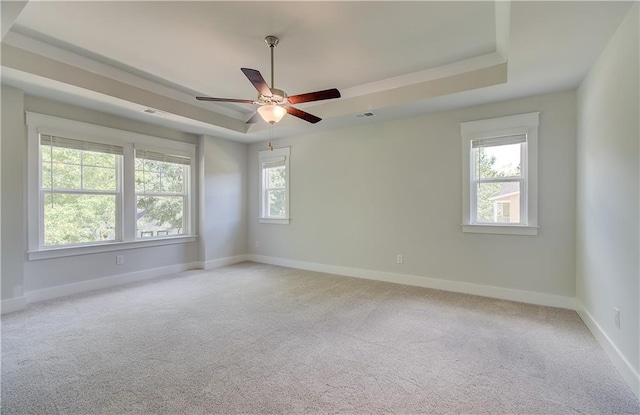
(360, 196)
(72, 112)
(608, 191)
(14, 151)
(223, 190)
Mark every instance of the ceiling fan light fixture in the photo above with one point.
(272, 113)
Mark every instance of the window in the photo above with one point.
(94, 189)
(274, 185)
(161, 193)
(80, 191)
(497, 179)
(500, 175)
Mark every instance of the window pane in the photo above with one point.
(149, 165)
(159, 216)
(172, 178)
(73, 219)
(499, 161)
(148, 181)
(78, 169)
(275, 203)
(66, 176)
(159, 177)
(498, 202)
(66, 155)
(91, 158)
(46, 153)
(46, 175)
(276, 177)
(99, 178)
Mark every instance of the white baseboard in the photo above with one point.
(522, 296)
(629, 374)
(221, 262)
(13, 304)
(106, 282)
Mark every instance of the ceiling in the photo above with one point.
(395, 59)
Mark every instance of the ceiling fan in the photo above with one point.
(275, 103)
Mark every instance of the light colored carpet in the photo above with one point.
(254, 338)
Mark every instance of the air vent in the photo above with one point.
(367, 114)
(155, 112)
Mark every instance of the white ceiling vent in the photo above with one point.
(156, 112)
(367, 114)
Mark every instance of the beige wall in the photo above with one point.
(223, 191)
(608, 192)
(360, 196)
(14, 151)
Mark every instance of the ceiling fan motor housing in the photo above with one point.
(278, 97)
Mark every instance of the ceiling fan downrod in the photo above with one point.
(272, 42)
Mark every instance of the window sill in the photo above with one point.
(280, 221)
(501, 229)
(106, 247)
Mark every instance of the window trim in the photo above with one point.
(263, 157)
(45, 124)
(523, 124)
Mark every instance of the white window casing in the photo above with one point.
(267, 160)
(518, 129)
(89, 137)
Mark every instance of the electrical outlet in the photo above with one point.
(256, 244)
(399, 259)
(616, 316)
(119, 259)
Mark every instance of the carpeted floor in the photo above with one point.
(254, 338)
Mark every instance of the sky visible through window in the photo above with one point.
(507, 159)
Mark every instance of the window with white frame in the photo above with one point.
(80, 191)
(274, 185)
(162, 194)
(500, 175)
(94, 189)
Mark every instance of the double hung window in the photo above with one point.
(161, 193)
(93, 188)
(500, 175)
(498, 180)
(274, 185)
(80, 191)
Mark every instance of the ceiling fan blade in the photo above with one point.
(303, 115)
(239, 101)
(254, 118)
(257, 80)
(315, 96)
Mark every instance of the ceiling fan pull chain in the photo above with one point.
(271, 137)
